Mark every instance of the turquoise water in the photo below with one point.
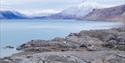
(16, 32)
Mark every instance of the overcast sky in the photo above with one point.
(50, 5)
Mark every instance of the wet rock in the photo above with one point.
(9, 47)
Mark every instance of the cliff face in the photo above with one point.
(108, 14)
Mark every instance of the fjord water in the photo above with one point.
(17, 32)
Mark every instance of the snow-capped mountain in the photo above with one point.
(73, 12)
(11, 15)
(77, 11)
(83, 9)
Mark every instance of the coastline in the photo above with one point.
(54, 31)
(81, 47)
(25, 31)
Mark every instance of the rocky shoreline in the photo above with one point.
(93, 46)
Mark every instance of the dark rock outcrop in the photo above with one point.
(9, 47)
(114, 38)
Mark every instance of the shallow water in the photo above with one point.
(16, 32)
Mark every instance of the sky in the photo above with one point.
(51, 6)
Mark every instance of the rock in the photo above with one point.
(115, 59)
(2, 61)
(84, 41)
(83, 46)
(100, 47)
(103, 56)
(121, 38)
(58, 39)
(57, 59)
(93, 46)
(99, 34)
(10, 47)
(113, 38)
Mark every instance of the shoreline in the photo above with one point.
(59, 33)
(92, 42)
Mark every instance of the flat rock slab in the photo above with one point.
(73, 57)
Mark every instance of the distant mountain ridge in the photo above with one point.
(109, 14)
(82, 13)
(12, 15)
(73, 12)
(104, 14)
(18, 15)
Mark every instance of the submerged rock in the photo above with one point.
(9, 47)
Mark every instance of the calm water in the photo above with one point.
(16, 32)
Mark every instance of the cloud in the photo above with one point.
(35, 4)
(12, 2)
(52, 6)
(39, 11)
(101, 3)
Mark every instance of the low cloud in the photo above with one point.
(53, 6)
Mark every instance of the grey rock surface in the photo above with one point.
(93, 46)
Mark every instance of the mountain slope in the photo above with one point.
(109, 14)
(78, 11)
(73, 12)
(11, 15)
(82, 12)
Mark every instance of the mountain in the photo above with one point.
(78, 11)
(82, 12)
(11, 15)
(73, 12)
(92, 12)
(17, 15)
(107, 14)
(40, 15)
